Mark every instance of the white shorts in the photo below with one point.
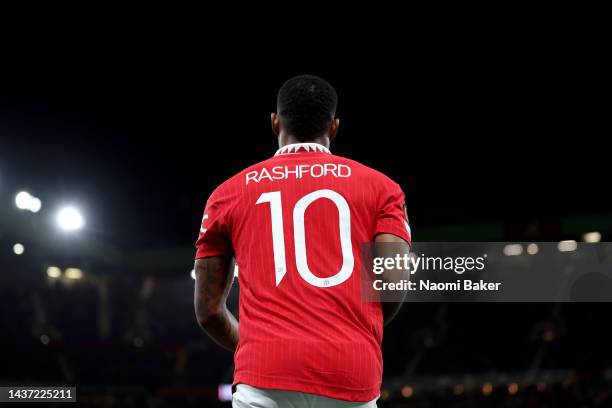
(251, 397)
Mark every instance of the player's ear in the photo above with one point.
(333, 129)
(275, 123)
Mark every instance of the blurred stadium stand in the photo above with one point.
(126, 335)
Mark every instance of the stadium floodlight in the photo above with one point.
(224, 392)
(18, 249)
(54, 272)
(26, 201)
(73, 273)
(487, 389)
(70, 219)
(513, 388)
(35, 204)
(22, 200)
(592, 237)
(532, 248)
(513, 249)
(407, 391)
(567, 246)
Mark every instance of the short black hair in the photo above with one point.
(306, 105)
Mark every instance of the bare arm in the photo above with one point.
(390, 309)
(214, 277)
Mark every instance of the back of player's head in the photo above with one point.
(306, 105)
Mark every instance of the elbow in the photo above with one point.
(207, 317)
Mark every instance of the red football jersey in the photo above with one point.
(295, 224)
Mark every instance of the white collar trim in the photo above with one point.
(296, 147)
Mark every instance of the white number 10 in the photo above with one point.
(299, 235)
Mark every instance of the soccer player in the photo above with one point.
(295, 224)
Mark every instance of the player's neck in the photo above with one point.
(286, 139)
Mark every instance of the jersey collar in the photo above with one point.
(301, 148)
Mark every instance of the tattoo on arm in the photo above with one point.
(214, 277)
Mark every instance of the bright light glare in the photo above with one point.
(22, 200)
(35, 204)
(407, 391)
(513, 249)
(193, 274)
(54, 272)
(70, 219)
(592, 237)
(513, 389)
(25, 201)
(532, 249)
(224, 392)
(567, 246)
(74, 273)
(18, 249)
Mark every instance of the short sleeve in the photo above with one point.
(214, 237)
(392, 217)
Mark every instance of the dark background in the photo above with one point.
(141, 140)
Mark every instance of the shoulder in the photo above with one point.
(376, 177)
(234, 185)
